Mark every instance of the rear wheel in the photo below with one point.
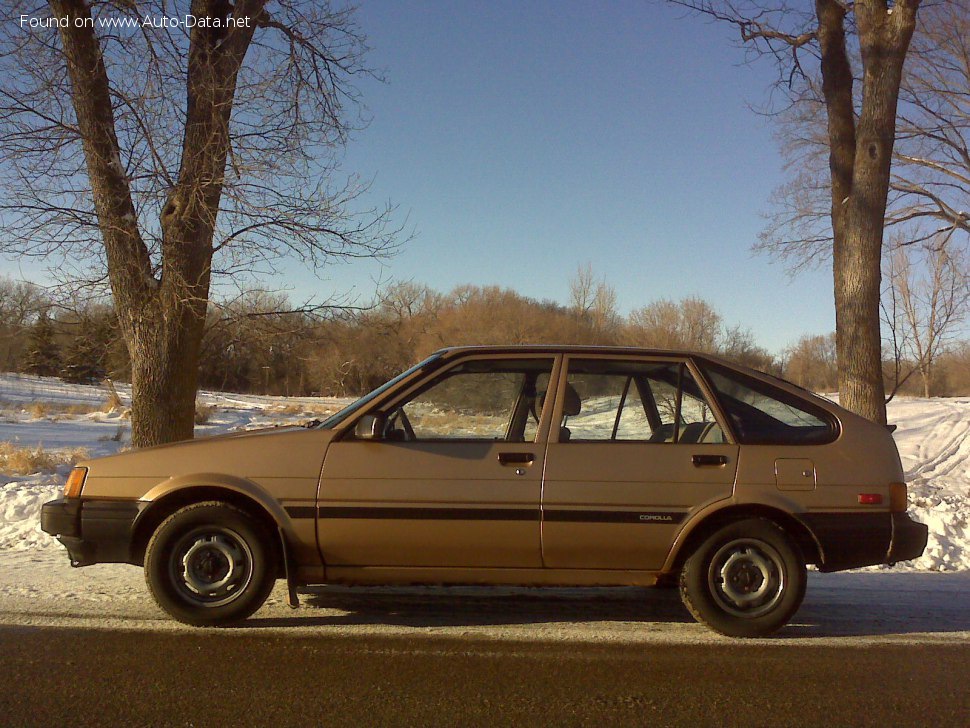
(210, 564)
(745, 580)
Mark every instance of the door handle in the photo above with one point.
(708, 461)
(516, 458)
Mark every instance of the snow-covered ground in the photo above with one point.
(933, 439)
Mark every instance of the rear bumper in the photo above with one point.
(93, 531)
(909, 538)
(851, 540)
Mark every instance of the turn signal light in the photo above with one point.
(898, 499)
(75, 481)
(870, 499)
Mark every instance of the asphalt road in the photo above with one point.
(58, 676)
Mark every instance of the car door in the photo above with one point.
(454, 478)
(637, 451)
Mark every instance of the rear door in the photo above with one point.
(634, 449)
(455, 479)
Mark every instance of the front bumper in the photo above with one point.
(93, 531)
(852, 540)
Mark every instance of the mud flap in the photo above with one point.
(292, 598)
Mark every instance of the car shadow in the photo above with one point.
(465, 606)
(864, 604)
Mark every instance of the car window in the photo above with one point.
(762, 414)
(338, 417)
(477, 400)
(655, 402)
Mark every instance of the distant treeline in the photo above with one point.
(256, 343)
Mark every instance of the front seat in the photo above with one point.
(571, 406)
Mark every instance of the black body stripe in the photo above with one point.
(561, 516)
(431, 514)
(487, 514)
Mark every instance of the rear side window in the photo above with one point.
(635, 401)
(765, 415)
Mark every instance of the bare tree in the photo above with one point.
(811, 363)
(931, 167)
(593, 302)
(859, 144)
(153, 158)
(20, 305)
(928, 304)
(691, 323)
(930, 181)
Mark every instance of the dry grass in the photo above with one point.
(451, 423)
(16, 460)
(289, 409)
(38, 409)
(113, 403)
(302, 409)
(46, 409)
(203, 412)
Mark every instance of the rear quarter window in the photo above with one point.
(763, 414)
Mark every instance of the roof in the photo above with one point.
(572, 349)
(551, 349)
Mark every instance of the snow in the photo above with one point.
(933, 437)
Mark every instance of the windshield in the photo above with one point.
(337, 418)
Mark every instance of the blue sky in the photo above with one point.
(521, 140)
(524, 139)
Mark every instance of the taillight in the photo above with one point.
(898, 500)
(75, 481)
(870, 499)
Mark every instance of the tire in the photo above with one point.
(745, 580)
(210, 564)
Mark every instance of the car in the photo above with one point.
(513, 465)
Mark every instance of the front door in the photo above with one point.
(453, 481)
(638, 449)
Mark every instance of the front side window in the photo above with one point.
(762, 414)
(477, 400)
(655, 402)
(338, 417)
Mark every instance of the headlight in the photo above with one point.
(75, 481)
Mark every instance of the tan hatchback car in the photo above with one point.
(513, 465)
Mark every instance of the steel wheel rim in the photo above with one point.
(746, 577)
(211, 566)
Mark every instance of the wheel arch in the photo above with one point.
(166, 498)
(700, 528)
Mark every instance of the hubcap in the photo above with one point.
(211, 566)
(747, 577)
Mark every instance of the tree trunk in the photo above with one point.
(860, 158)
(164, 378)
(858, 341)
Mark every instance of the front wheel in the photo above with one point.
(745, 580)
(210, 564)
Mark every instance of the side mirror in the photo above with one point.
(370, 427)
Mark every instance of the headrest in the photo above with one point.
(571, 404)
